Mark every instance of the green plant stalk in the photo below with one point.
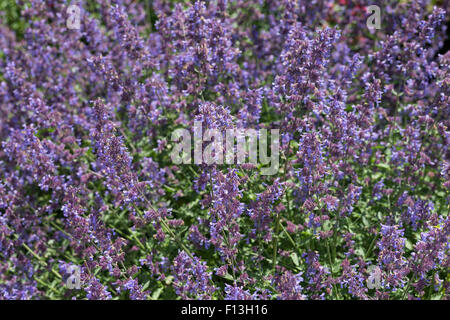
(277, 226)
(414, 275)
(40, 260)
(167, 228)
(46, 285)
(371, 246)
(275, 242)
(289, 236)
(149, 14)
(335, 291)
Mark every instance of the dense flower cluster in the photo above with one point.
(87, 180)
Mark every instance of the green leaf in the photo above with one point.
(169, 280)
(157, 293)
(408, 245)
(294, 258)
(383, 166)
(228, 277)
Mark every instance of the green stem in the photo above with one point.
(40, 260)
(335, 291)
(371, 246)
(275, 240)
(289, 236)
